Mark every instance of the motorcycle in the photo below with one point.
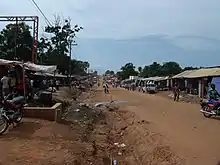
(11, 111)
(210, 108)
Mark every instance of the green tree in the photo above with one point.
(139, 69)
(109, 72)
(57, 46)
(55, 49)
(156, 69)
(170, 68)
(79, 67)
(16, 42)
(190, 68)
(145, 72)
(127, 70)
(44, 50)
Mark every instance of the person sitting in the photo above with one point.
(213, 93)
(5, 85)
(213, 96)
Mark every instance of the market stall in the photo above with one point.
(20, 69)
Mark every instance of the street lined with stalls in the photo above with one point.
(190, 136)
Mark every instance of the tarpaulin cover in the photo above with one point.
(56, 75)
(40, 68)
(50, 75)
(31, 66)
(216, 81)
(7, 62)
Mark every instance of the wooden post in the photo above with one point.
(204, 80)
(58, 112)
(57, 115)
(23, 77)
(202, 88)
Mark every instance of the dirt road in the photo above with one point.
(152, 129)
(178, 126)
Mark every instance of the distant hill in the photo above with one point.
(187, 50)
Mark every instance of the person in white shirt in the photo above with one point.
(44, 82)
(57, 84)
(32, 83)
(5, 85)
(31, 88)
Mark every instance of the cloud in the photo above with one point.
(186, 50)
(123, 19)
(126, 18)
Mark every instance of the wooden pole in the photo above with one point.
(23, 77)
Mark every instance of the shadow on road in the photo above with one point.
(23, 130)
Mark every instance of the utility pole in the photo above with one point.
(70, 55)
(70, 47)
(16, 35)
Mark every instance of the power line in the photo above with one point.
(42, 13)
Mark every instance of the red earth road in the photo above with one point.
(191, 136)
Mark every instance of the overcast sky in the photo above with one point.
(121, 19)
(127, 18)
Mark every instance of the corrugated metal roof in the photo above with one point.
(162, 78)
(56, 75)
(156, 78)
(151, 78)
(204, 73)
(183, 74)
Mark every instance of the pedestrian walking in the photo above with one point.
(105, 87)
(176, 92)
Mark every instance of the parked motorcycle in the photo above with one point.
(210, 108)
(11, 111)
